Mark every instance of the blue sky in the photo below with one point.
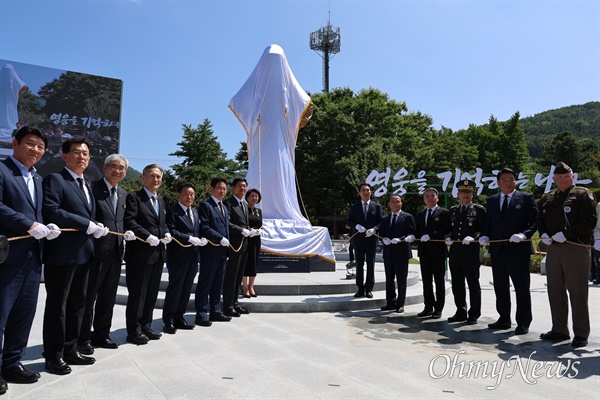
(182, 61)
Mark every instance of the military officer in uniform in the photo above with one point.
(467, 220)
(566, 222)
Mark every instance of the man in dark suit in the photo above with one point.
(512, 216)
(433, 223)
(68, 203)
(397, 229)
(214, 226)
(239, 230)
(364, 217)
(467, 220)
(182, 262)
(146, 217)
(20, 215)
(108, 256)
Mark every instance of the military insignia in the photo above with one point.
(436, 219)
(470, 224)
(465, 183)
(567, 209)
(590, 194)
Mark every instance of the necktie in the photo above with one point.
(394, 219)
(504, 210)
(221, 208)
(31, 187)
(365, 210)
(81, 186)
(190, 215)
(429, 212)
(463, 211)
(154, 204)
(113, 197)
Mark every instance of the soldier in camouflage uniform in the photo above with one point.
(467, 221)
(566, 222)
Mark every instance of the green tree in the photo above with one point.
(203, 158)
(564, 147)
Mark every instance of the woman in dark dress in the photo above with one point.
(253, 197)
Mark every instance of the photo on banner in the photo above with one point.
(64, 105)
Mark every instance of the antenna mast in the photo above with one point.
(326, 42)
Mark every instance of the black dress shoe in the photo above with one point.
(75, 358)
(57, 367)
(499, 325)
(521, 330)
(254, 295)
(105, 343)
(241, 310)
(471, 321)
(203, 322)
(86, 349)
(138, 339)
(247, 296)
(229, 313)
(220, 318)
(400, 310)
(436, 315)
(368, 294)
(388, 307)
(19, 374)
(359, 293)
(457, 318)
(425, 313)
(151, 333)
(170, 329)
(554, 336)
(3, 386)
(182, 324)
(578, 341)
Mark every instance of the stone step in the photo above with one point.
(308, 292)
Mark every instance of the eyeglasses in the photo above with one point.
(117, 167)
(78, 153)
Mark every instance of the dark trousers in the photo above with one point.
(143, 283)
(395, 269)
(233, 278)
(464, 265)
(181, 280)
(364, 251)
(507, 265)
(19, 287)
(433, 269)
(66, 287)
(210, 284)
(102, 288)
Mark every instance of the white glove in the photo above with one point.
(92, 228)
(203, 242)
(546, 239)
(410, 238)
(224, 242)
(194, 240)
(54, 232)
(448, 241)
(387, 241)
(101, 231)
(129, 236)
(559, 237)
(39, 232)
(245, 232)
(167, 239)
(517, 237)
(468, 240)
(597, 245)
(152, 240)
(396, 240)
(370, 232)
(360, 228)
(484, 241)
(425, 238)
(259, 232)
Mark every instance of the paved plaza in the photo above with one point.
(366, 354)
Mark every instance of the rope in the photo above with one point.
(138, 238)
